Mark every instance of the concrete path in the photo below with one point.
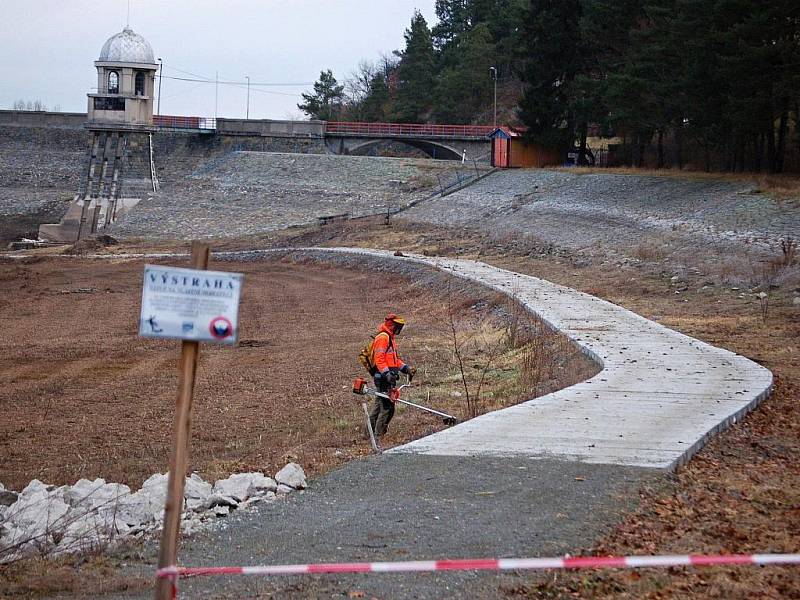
(658, 398)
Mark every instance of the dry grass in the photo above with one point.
(82, 576)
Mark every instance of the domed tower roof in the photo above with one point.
(128, 47)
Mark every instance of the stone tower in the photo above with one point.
(125, 84)
(120, 168)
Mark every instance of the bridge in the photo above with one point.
(446, 142)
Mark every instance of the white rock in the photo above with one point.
(220, 500)
(2, 487)
(197, 493)
(284, 489)
(241, 486)
(35, 520)
(292, 475)
(10, 536)
(93, 514)
(147, 505)
(157, 481)
(34, 486)
(235, 486)
(95, 495)
(82, 489)
(260, 484)
(139, 510)
(796, 301)
(92, 531)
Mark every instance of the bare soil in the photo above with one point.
(81, 395)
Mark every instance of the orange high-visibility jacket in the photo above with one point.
(384, 351)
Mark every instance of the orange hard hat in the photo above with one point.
(395, 319)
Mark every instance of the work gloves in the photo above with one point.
(410, 371)
(388, 379)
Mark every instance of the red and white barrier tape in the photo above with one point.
(491, 564)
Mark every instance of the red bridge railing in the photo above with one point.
(407, 129)
(175, 122)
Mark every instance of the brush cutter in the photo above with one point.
(360, 388)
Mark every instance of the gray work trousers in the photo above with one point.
(382, 412)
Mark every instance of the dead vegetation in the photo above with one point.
(79, 575)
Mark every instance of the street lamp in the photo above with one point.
(248, 96)
(493, 71)
(160, 77)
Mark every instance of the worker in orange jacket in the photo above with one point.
(387, 366)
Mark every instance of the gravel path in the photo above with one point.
(413, 507)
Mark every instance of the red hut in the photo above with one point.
(510, 150)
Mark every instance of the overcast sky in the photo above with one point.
(49, 47)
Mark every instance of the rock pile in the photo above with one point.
(92, 515)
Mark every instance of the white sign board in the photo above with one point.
(188, 304)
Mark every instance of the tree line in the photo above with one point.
(32, 105)
(714, 83)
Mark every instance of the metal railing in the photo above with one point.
(407, 129)
(175, 122)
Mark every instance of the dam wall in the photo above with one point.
(44, 157)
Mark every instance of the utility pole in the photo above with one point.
(248, 96)
(493, 71)
(160, 77)
(216, 95)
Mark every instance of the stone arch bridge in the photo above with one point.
(447, 142)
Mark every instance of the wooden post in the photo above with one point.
(179, 458)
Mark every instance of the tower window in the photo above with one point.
(113, 82)
(139, 85)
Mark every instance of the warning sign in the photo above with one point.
(187, 304)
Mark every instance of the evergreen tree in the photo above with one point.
(760, 47)
(453, 17)
(466, 87)
(416, 73)
(552, 50)
(374, 107)
(325, 103)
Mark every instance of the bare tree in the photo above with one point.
(359, 84)
(29, 105)
(387, 63)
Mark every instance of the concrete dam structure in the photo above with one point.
(87, 171)
(49, 162)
